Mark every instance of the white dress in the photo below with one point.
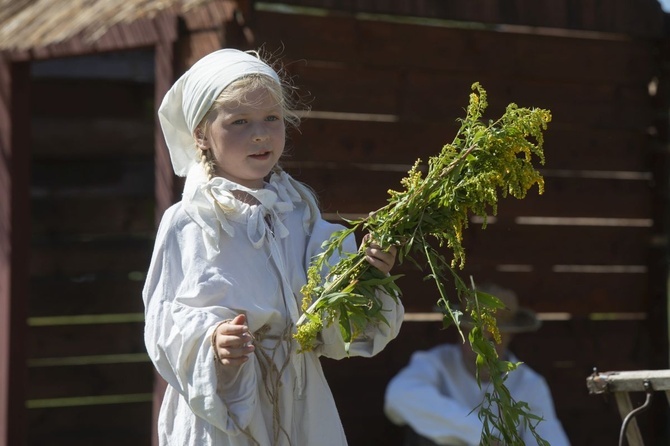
(212, 262)
(435, 395)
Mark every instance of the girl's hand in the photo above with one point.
(377, 257)
(232, 341)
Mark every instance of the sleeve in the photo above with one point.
(413, 398)
(542, 404)
(377, 335)
(181, 312)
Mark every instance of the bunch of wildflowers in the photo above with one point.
(485, 161)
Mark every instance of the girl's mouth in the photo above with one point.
(260, 155)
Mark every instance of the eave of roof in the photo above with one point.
(28, 24)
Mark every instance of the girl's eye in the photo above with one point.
(272, 118)
(240, 121)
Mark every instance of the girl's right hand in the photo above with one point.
(381, 259)
(232, 341)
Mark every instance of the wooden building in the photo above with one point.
(85, 175)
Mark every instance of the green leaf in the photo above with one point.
(489, 300)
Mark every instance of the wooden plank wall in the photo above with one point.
(90, 380)
(386, 91)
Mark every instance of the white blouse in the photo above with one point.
(437, 396)
(214, 258)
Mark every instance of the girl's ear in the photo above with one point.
(201, 139)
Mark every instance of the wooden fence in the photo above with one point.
(585, 254)
(387, 85)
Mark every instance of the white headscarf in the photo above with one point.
(193, 94)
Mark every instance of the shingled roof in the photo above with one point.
(26, 24)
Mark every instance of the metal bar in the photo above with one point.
(633, 434)
(630, 418)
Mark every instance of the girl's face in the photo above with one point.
(248, 139)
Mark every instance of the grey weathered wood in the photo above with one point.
(628, 381)
(621, 384)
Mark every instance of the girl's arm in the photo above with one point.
(182, 296)
(376, 336)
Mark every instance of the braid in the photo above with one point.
(208, 162)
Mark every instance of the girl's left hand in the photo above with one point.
(377, 257)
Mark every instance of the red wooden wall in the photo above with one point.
(388, 82)
(14, 244)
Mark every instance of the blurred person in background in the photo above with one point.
(436, 395)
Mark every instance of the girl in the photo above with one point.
(222, 295)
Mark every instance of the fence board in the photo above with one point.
(57, 341)
(90, 380)
(340, 87)
(557, 245)
(80, 258)
(108, 425)
(88, 137)
(587, 148)
(606, 105)
(559, 248)
(81, 98)
(567, 146)
(107, 215)
(619, 16)
(120, 175)
(423, 95)
(522, 56)
(339, 189)
(96, 293)
(579, 294)
(584, 197)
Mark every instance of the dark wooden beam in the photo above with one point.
(165, 75)
(14, 245)
(165, 179)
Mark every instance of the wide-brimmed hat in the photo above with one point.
(511, 319)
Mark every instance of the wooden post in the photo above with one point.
(14, 246)
(165, 181)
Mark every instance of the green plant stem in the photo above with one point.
(331, 287)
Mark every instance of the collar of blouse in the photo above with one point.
(213, 206)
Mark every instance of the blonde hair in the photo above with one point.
(237, 93)
(286, 97)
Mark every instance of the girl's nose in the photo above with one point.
(260, 134)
